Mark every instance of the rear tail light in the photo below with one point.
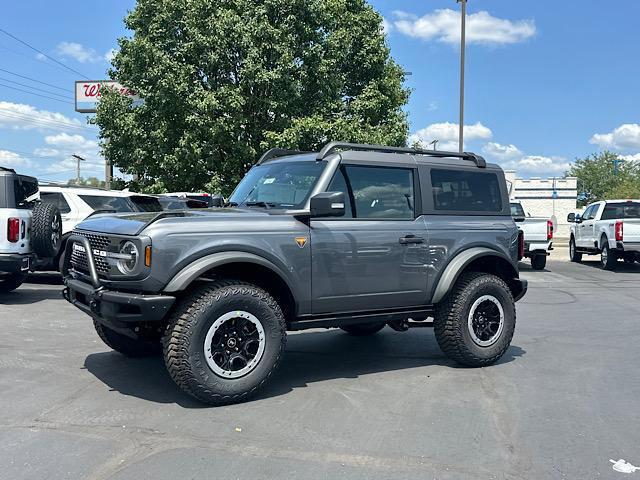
(13, 229)
(520, 245)
(619, 231)
(549, 229)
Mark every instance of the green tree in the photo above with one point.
(599, 178)
(224, 80)
(87, 182)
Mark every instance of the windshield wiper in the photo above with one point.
(266, 205)
(231, 204)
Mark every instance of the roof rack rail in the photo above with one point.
(5, 169)
(331, 147)
(277, 152)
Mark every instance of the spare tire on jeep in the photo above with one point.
(46, 230)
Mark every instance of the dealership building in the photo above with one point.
(546, 197)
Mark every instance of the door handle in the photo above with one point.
(411, 239)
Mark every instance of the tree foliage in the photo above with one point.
(600, 179)
(223, 81)
(87, 182)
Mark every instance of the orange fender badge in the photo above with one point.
(301, 241)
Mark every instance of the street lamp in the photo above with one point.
(462, 48)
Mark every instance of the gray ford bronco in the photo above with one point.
(356, 237)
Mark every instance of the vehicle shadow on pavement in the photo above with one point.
(621, 267)
(310, 357)
(45, 278)
(25, 296)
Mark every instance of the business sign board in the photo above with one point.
(88, 94)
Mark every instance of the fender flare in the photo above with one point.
(188, 274)
(455, 267)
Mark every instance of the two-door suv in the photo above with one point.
(355, 237)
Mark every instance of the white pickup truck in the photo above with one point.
(610, 228)
(538, 235)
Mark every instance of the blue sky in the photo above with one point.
(547, 81)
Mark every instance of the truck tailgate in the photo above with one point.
(631, 231)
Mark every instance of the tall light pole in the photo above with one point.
(79, 159)
(463, 18)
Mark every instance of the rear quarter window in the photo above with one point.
(466, 191)
(614, 211)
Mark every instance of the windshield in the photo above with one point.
(146, 204)
(105, 202)
(279, 185)
(517, 210)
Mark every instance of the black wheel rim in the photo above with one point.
(486, 320)
(234, 344)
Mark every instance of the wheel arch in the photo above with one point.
(240, 266)
(478, 259)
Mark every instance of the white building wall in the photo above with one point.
(537, 198)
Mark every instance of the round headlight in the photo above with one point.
(127, 265)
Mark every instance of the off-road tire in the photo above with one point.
(608, 257)
(363, 329)
(451, 319)
(538, 262)
(10, 282)
(185, 335)
(125, 345)
(574, 255)
(46, 230)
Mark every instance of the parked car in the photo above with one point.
(210, 200)
(538, 235)
(77, 203)
(342, 238)
(179, 203)
(610, 228)
(29, 230)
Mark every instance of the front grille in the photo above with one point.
(79, 259)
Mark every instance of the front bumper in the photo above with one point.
(15, 263)
(112, 308)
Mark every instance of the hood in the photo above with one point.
(135, 223)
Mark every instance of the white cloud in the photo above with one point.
(447, 134)
(444, 26)
(386, 26)
(626, 136)
(20, 116)
(12, 160)
(78, 52)
(41, 57)
(110, 54)
(64, 145)
(511, 157)
(631, 158)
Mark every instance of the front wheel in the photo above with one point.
(538, 262)
(474, 324)
(11, 282)
(608, 258)
(224, 341)
(574, 256)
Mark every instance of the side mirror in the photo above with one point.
(327, 204)
(518, 219)
(217, 201)
(571, 218)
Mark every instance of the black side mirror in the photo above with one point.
(571, 218)
(217, 201)
(327, 204)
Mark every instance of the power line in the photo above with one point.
(35, 88)
(42, 53)
(43, 122)
(37, 94)
(34, 80)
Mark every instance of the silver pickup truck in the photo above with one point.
(610, 228)
(538, 235)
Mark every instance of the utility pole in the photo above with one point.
(78, 159)
(108, 173)
(462, 49)
(434, 143)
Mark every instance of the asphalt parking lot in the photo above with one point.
(563, 401)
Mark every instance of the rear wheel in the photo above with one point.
(538, 262)
(574, 256)
(46, 230)
(131, 347)
(363, 329)
(224, 341)
(12, 281)
(474, 324)
(608, 258)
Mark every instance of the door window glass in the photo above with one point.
(381, 192)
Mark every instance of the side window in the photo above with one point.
(381, 192)
(57, 199)
(339, 184)
(590, 212)
(466, 191)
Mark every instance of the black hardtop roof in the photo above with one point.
(381, 154)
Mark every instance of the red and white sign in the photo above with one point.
(88, 93)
